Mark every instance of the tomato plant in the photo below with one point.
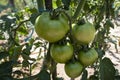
(72, 32)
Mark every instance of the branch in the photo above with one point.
(20, 24)
(15, 30)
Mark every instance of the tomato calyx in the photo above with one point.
(85, 47)
(54, 15)
(81, 22)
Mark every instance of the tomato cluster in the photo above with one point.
(54, 30)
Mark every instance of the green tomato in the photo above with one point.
(73, 69)
(88, 57)
(61, 53)
(83, 33)
(49, 29)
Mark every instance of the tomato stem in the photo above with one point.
(72, 79)
(47, 59)
(78, 10)
(107, 8)
(48, 5)
(40, 5)
(54, 71)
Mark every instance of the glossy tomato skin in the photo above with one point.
(84, 34)
(73, 69)
(88, 57)
(49, 29)
(61, 53)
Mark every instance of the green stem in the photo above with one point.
(54, 70)
(40, 5)
(48, 5)
(72, 79)
(47, 59)
(107, 9)
(30, 71)
(78, 10)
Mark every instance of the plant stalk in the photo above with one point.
(79, 9)
(72, 79)
(40, 5)
(48, 5)
(107, 9)
(47, 59)
(54, 70)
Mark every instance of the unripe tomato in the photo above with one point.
(73, 69)
(61, 53)
(83, 33)
(50, 29)
(88, 57)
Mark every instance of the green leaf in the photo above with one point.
(22, 30)
(66, 3)
(25, 63)
(60, 78)
(58, 3)
(27, 49)
(44, 75)
(6, 77)
(93, 77)
(26, 57)
(31, 10)
(107, 70)
(3, 55)
(18, 49)
(101, 53)
(6, 68)
(109, 23)
(33, 17)
(86, 7)
(84, 75)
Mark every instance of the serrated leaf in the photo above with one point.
(107, 70)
